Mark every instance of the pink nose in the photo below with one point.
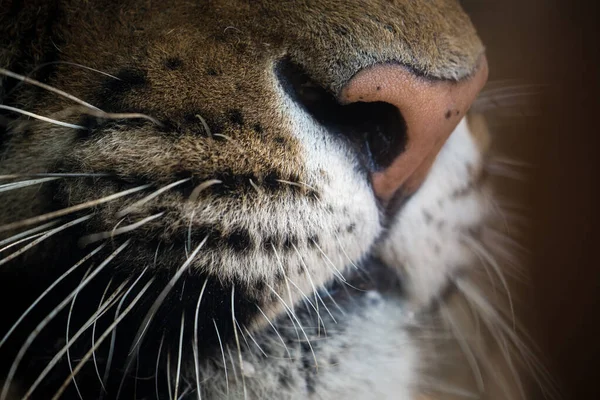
(431, 110)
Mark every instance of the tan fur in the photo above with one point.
(302, 205)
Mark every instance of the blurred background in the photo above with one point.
(553, 44)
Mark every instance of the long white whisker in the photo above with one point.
(179, 357)
(255, 342)
(50, 317)
(157, 303)
(195, 343)
(321, 322)
(30, 74)
(168, 371)
(151, 196)
(48, 290)
(493, 319)
(95, 237)
(67, 344)
(46, 87)
(18, 185)
(100, 340)
(105, 115)
(42, 238)
(317, 296)
(162, 339)
(235, 377)
(482, 252)
(72, 209)
(299, 325)
(41, 117)
(237, 340)
(282, 269)
(336, 271)
(276, 331)
(18, 242)
(55, 175)
(223, 354)
(464, 345)
(114, 333)
(57, 357)
(96, 368)
(25, 234)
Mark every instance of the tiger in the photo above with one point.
(234, 199)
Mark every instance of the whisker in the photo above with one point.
(25, 234)
(168, 371)
(494, 320)
(299, 324)
(41, 117)
(162, 339)
(500, 170)
(446, 389)
(178, 373)
(151, 196)
(30, 74)
(483, 253)
(51, 315)
(18, 242)
(340, 309)
(55, 174)
(96, 368)
(201, 187)
(235, 377)
(255, 342)
(101, 339)
(464, 345)
(95, 237)
(48, 290)
(205, 125)
(336, 271)
(184, 393)
(46, 87)
(157, 303)
(42, 238)
(18, 185)
(237, 340)
(106, 115)
(67, 345)
(223, 354)
(305, 297)
(72, 209)
(111, 349)
(57, 357)
(195, 343)
(282, 269)
(255, 186)
(312, 284)
(276, 331)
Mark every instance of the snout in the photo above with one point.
(431, 109)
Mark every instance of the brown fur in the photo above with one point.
(185, 63)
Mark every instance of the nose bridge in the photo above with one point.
(431, 108)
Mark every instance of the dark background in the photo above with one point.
(554, 43)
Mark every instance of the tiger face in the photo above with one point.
(231, 199)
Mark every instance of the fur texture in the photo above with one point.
(248, 256)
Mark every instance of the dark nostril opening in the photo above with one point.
(376, 130)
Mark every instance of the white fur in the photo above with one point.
(426, 240)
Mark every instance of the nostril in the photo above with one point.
(377, 130)
(431, 108)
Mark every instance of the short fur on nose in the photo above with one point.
(431, 109)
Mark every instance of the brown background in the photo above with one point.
(554, 43)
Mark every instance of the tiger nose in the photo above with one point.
(431, 110)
